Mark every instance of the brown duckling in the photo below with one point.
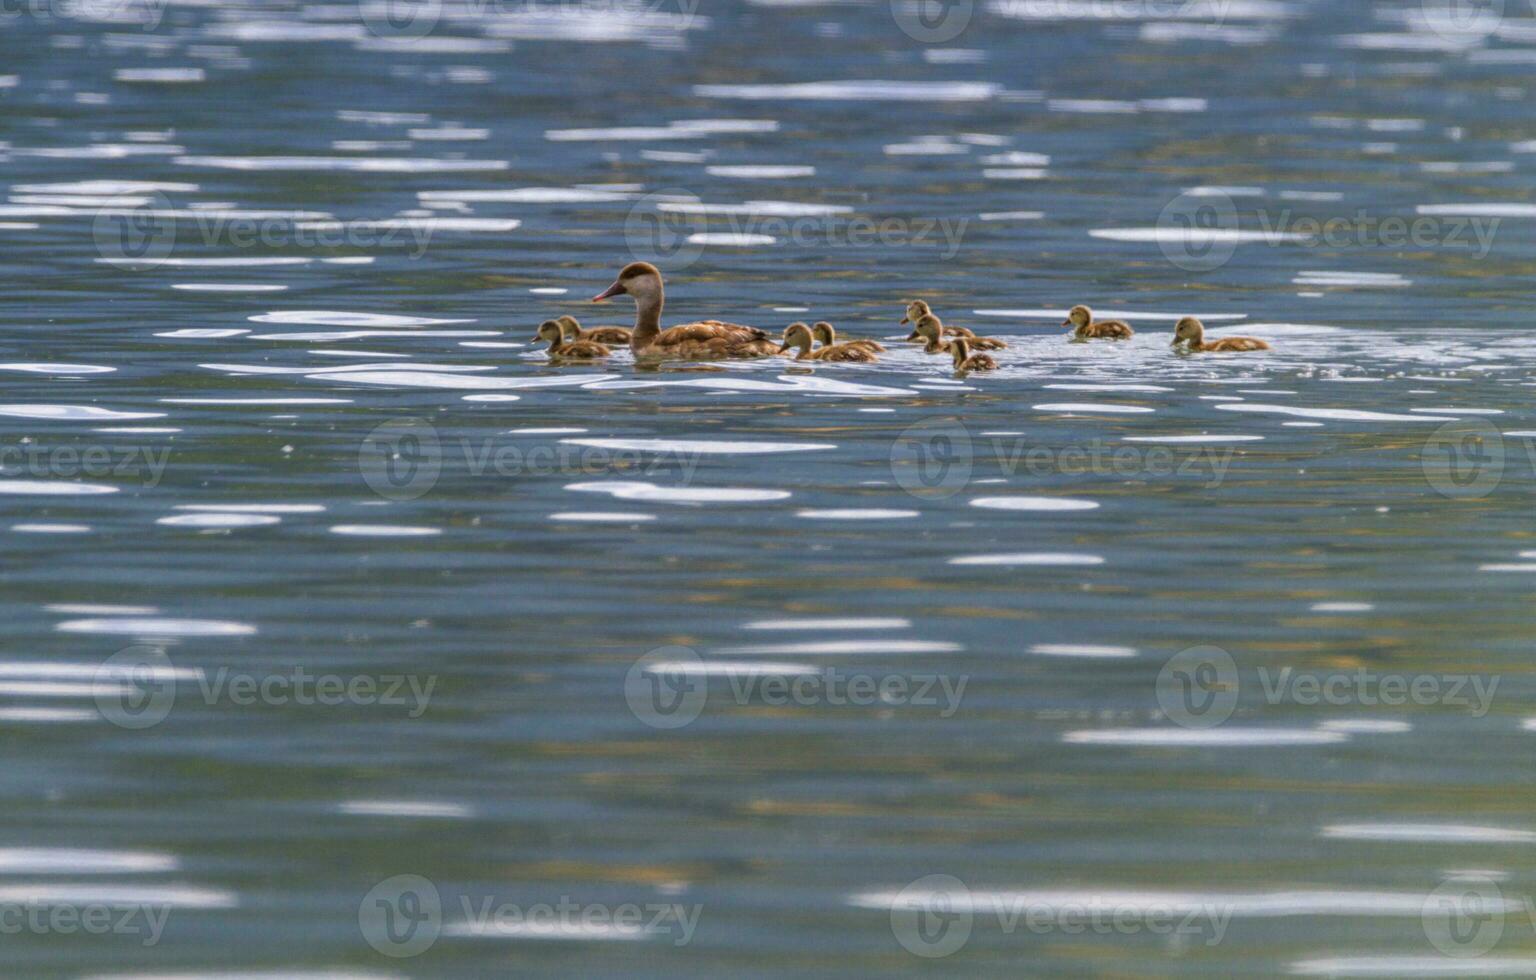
(616, 336)
(799, 335)
(700, 340)
(826, 335)
(1191, 332)
(917, 309)
(960, 350)
(1085, 327)
(560, 348)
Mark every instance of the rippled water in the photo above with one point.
(320, 574)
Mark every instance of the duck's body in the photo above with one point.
(1191, 333)
(798, 335)
(1085, 327)
(965, 361)
(613, 336)
(826, 335)
(701, 340)
(563, 348)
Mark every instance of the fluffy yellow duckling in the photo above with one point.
(1085, 327)
(799, 335)
(699, 340)
(917, 309)
(561, 348)
(826, 335)
(960, 350)
(1191, 332)
(598, 335)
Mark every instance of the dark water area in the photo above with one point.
(348, 636)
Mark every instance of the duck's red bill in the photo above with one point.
(613, 290)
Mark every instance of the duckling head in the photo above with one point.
(570, 325)
(824, 332)
(960, 349)
(916, 310)
(638, 279)
(797, 334)
(550, 331)
(1077, 317)
(1188, 330)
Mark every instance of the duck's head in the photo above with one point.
(824, 332)
(638, 279)
(928, 328)
(960, 349)
(569, 325)
(550, 331)
(1188, 330)
(1077, 317)
(916, 309)
(797, 334)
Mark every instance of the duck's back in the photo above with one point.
(1237, 344)
(712, 338)
(1107, 330)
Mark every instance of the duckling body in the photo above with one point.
(614, 336)
(1085, 327)
(826, 335)
(1191, 333)
(798, 335)
(965, 361)
(561, 347)
(701, 340)
(917, 309)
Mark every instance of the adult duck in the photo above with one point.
(701, 340)
(1191, 332)
(1085, 327)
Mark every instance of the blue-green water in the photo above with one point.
(349, 637)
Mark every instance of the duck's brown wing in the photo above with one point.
(958, 332)
(580, 350)
(1110, 330)
(1237, 344)
(710, 339)
(607, 335)
(870, 345)
(847, 352)
(987, 343)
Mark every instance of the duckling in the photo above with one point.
(960, 350)
(1085, 327)
(598, 335)
(826, 335)
(1191, 332)
(930, 330)
(917, 309)
(700, 340)
(799, 335)
(561, 349)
